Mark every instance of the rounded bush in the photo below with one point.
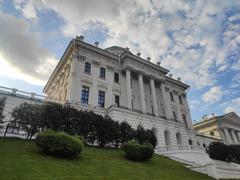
(136, 152)
(219, 151)
(59, 143)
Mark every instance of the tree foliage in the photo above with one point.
(223, 152)
(96, 129)
(2, 105)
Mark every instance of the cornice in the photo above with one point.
(59, 65)
(176, 82)
(145, 62)
(95, 49)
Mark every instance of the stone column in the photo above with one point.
(235, 141)
(222, 135)
(109, 95)
(142, 94)
(238, 134)
(166, 104)
(154, 97)
(188, 115)
(94, 90)
(179, 109)
(228, 137)
(128, 89)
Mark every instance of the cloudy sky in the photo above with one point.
(196, 40)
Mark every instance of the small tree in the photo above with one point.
(2, 105)
(28, 117)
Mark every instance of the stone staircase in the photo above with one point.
(198, 160)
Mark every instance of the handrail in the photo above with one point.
(30, 95)
(179, 148)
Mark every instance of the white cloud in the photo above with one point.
(213, 95)
(233, 105)
(185, 35)
(21, 56)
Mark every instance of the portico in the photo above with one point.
(225, 127)
(129, 97)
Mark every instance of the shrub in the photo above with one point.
(219, 151)
(138, 152)
(59, 144)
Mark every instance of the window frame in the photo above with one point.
(87, 67)
(118, 101)
(101, 98)
(102, 74)
(85, 95)
(118, 77)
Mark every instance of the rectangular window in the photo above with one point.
(101, 98)
(85, 94)
(102, 72)
(171, 97)
(184, 119)
(180, 99)
(174, 116)
(117, 100)
(116, 77)
(87, 68)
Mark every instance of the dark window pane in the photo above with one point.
(102, 72)
(87, 67)
(85, 95)
(180, 99)
(101, 98)
(116, 77)
(117, 100)
(171, 97)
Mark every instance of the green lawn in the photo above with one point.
(20, 159)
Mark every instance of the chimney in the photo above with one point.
(179, 78)
(138, 54)
(127, 48)
(158, 63)
(96, 43)
(148, 58)
(170, 75)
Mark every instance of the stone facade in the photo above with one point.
(225, 127)
(126, 87)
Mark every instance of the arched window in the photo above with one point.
(179, 138)
(167, 138)
(204, 145)
(198, 143)
(190, 142)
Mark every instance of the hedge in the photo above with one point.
(220, 151)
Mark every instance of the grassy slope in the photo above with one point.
(20, 159)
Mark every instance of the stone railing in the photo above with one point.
(178, 148)
(24, 94)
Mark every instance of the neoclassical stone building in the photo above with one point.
(126, 87)
(225, 127)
